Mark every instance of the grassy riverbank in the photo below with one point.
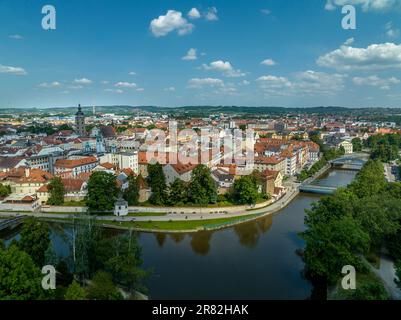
(187, 225)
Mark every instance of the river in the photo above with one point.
(254, 260)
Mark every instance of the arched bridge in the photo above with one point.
(348, 162)
(351, 162)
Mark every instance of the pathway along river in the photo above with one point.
(255, 260)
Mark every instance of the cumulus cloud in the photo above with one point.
(132, 73)
(266, 11)
(375, 81)
(114, 90)
(349, 41)
(169, 89)
(375, 56)
(268, 62)
(54, 84)
(211, 14)
(225, 67)
(191, 55)
(170, 22)
(125, 85)
(205, 82)
(13, 70)
(366, 5)
(302, 83)
(83, 81)
(194, 14)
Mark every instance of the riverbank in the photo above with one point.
(174, 222)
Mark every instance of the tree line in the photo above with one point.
(354, 223)
(97, 268)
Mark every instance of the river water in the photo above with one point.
(255, 260)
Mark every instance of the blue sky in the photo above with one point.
(253, 52)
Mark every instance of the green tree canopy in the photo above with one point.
(102, 192)
(20, 277)
(75, 292)
(131, 194)
(35, 240)
(56, 191)
(245, 191)
(103, 288)
(157, 183)
(202, 189)
(178, 193)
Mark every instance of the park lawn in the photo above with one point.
(74, 204)
(179, 225)
(147, 214)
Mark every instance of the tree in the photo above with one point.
(332, 245)
(357, 144)
(20, 277)
(157, 183)
(5, 191)
(75, 292)
(131, 194)
(202, 188)
(245, 191)
(121, 257)
(102, 192)
(56, 191)
(103, 288)
(178, 193)
(35, 240)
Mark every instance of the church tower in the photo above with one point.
(80, 122)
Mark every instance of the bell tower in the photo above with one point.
(80, 122)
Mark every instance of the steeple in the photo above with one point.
(80, 122)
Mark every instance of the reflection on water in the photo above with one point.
(254, 260)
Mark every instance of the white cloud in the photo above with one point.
(268, 62)
(76, 87)
(83, 81)
(312, 82)
(349, 41)
(105, 82)
(266, 11)
(132, 73)
(170, 89)
(13, 70)
(375, 56)
(211, 15)
(367, 5)
(205, 82)
(225, 67)
(171, 21)
(375, 81)
(302, 83)
(125, 85)
(140, 89)
(273, 82)
(16, 37)
(114, 90)
(194, 14)
(191, 55)
(54, 84)
(391, 32)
